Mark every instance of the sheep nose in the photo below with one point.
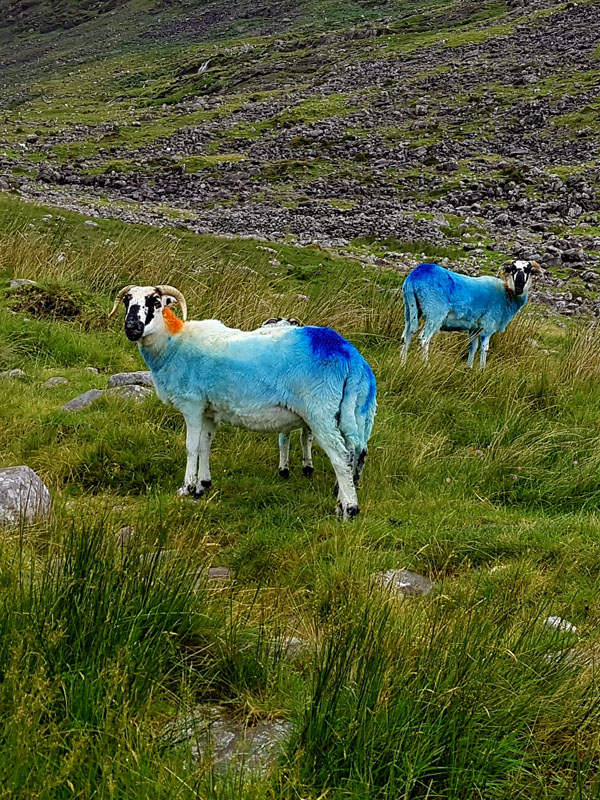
(134, 329)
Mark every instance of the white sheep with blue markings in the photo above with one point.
(449, 301)
(273, 379)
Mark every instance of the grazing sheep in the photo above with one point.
(451, 302)
(272, 379)
(306, 437)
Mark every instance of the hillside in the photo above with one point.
(451, 130)
(279, 159)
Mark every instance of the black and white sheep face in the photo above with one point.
(517, 275)
(143, 311)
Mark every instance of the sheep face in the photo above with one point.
(517, 275)
(143, 309)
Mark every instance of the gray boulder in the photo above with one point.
(23, 496)
(12, 373)
(58, 381)
(83, 400)
(141, 378)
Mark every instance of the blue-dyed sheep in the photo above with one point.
(271, 379)
(451, 302)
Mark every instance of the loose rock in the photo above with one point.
(83, 400)
(140, 378)
(403, 581)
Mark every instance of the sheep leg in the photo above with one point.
(431, 327)
(485, 346)
(192, 446)
(284, 455)
(406, 339)
(332, 442)
(206, 438)
(473, 345)
(306, 440)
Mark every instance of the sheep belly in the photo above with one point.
(454, 323)
(266, 419)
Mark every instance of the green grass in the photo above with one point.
(486, 482)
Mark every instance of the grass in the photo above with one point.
(486, 482)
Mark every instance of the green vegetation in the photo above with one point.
(486, 482)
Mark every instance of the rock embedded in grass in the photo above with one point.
(141, 378)
(403, 581)
(229, 743)
(83, 400)
(131, 392)
(560, 624)
(57, 381)
(23, 496)
(12, 373)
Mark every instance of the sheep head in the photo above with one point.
(142, 304)
(517, 275)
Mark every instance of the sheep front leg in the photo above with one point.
(192, 446)
(473, 345)
(306, 440)
(284, 455)
(207, 433)
(485, 346)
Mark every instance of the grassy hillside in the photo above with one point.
(485, 482)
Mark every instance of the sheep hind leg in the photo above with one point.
(406, 340)
(306, 441)
(473, 345)
(333, 444)
(431, 327)
(284, 455)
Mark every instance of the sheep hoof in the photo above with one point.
(284, 472)
(185, 491)
(307, 471)
(206, 484)
(347, 512)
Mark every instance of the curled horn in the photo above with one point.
(166, 289)
(504, 269)
(536, 268)
(118, 299)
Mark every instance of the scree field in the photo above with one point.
(297, 160)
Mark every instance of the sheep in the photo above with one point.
(306, 437)
(451, 302)
(273, 379)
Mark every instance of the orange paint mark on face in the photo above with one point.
(173, 323)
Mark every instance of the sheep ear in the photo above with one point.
(536, 268)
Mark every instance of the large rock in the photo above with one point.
(227, 742)
(23, 496)
(141, 378)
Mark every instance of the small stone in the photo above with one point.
(12, 373)
(219, 574)
(32, 138)
(93, 370)
(17, 282)
(141, 378)
(83, 400)
(23, 496)
(403, 581)
(124, 535)
(89, 223)
(560, 624)
(131, 392)
(58, 381)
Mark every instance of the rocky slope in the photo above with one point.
(440, 131)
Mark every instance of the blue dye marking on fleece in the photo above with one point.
(326, 344)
